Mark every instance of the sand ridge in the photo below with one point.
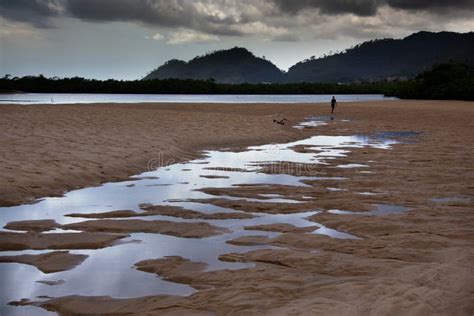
(185, 230)
(51, 262)
(85, 240)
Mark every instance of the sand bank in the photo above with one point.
(49, 149)
(22, 241)
(41, 225)
(171, 211)
(185, 230)
(48, 262)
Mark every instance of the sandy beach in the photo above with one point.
(412, 261)
(50, 149)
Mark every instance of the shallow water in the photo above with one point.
(110, 271)
(352, 166)
(452, 199)
(379, 210)
(314, 121)
(68, 98)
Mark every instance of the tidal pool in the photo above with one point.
(109, 271)
(379, 209)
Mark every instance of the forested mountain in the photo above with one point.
(370, 61)
(236, 65)
(380, 59)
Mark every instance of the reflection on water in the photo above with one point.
(110, 271)
(352, 166)
(385, 209)
(396, 135)
(452, 199)
(61, 98)
(315, 121)
(379, 209)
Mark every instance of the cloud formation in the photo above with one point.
(158, 12)
(218, 17)
(185, 36)
(432, 5)
(370, 7)
(356, 7)
(279, 20)
(35, 12)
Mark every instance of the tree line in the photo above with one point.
(445, 81)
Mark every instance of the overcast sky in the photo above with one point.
(125, 39)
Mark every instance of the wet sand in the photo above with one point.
(416, 262)
(114, 225)
(185, 230)
(21, 241)
(171, 211)
(48, 262)
(41, 225)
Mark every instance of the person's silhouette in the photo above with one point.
(333, 104)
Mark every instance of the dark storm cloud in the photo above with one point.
(217, 17)
(357, 7)
(432, 5)
(36, 12)
(370, 7)
(166, 13)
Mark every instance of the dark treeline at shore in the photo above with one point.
(41, 84)
(452, 81)
(447, 81)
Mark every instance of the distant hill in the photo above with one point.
(380, 59)
(236, 65)
(370, 61)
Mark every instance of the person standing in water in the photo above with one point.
(333, 104)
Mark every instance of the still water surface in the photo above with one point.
(68, 98)
(110, 271)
